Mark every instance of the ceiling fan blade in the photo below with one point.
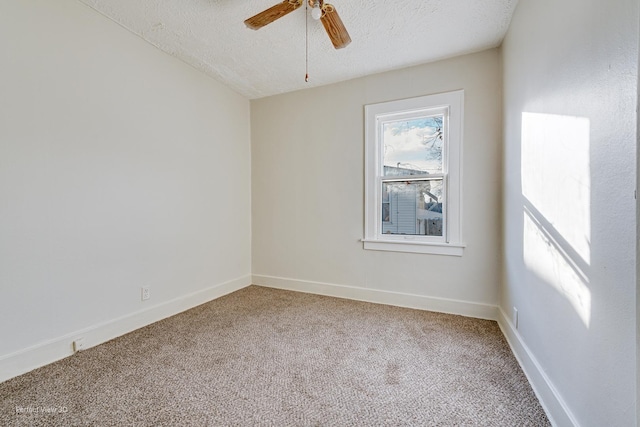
(268, 16)
(334, 26)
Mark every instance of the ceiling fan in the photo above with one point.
(325, 12)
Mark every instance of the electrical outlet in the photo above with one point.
(146, 293)
(515, 317)
(78, 344)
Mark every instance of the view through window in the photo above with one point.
(413, 153)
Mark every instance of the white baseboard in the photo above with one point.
(557, 410)
(442, 305)
(25, 360)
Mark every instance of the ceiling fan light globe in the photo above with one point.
(316, 13)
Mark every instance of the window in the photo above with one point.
(413, 150)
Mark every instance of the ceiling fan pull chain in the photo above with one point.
(306, 41)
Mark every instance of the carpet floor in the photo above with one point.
(267, 357)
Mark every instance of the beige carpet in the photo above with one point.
(268, 357)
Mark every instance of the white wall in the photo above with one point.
(570, 93)
(120, 166)
(638, 246)
(307, 193)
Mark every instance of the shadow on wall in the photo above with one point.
(556, 188)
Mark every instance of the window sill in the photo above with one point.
(449, 249)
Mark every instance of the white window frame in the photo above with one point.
(451, 103)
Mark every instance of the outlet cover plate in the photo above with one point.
(78, 344)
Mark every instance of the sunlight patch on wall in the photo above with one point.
(556, 188)
(556, 174)
(545, 257)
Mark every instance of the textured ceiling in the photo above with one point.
(211, 36)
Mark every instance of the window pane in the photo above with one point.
(385, 205)
(413, 147)
(413, 208)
